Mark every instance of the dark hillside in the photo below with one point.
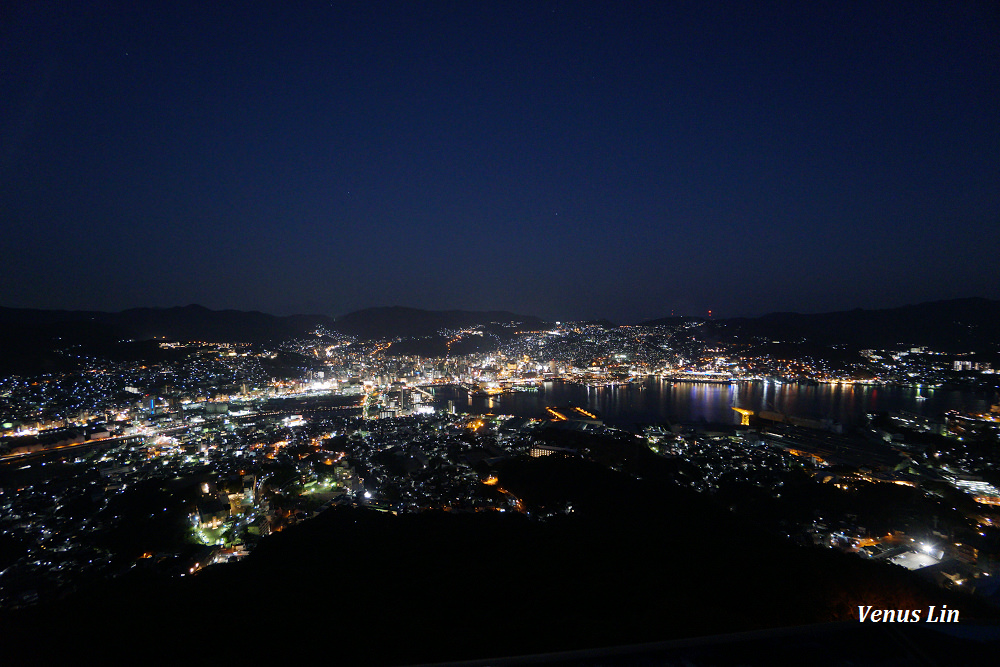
(371, 588)
(398, 321)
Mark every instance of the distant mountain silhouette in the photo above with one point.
(953, 325)
(28, 337)
(399, 321)
(187, 323)
(194, 322)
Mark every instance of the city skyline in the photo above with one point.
(559, 160)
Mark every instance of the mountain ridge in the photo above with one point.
(953, 323)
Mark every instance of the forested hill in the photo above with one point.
(954, 326)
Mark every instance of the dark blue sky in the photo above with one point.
(563, 159)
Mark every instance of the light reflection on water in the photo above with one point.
(658, 400)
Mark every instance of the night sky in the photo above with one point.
(560, 159)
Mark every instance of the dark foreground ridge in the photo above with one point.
(631, 562)
(842, 644)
